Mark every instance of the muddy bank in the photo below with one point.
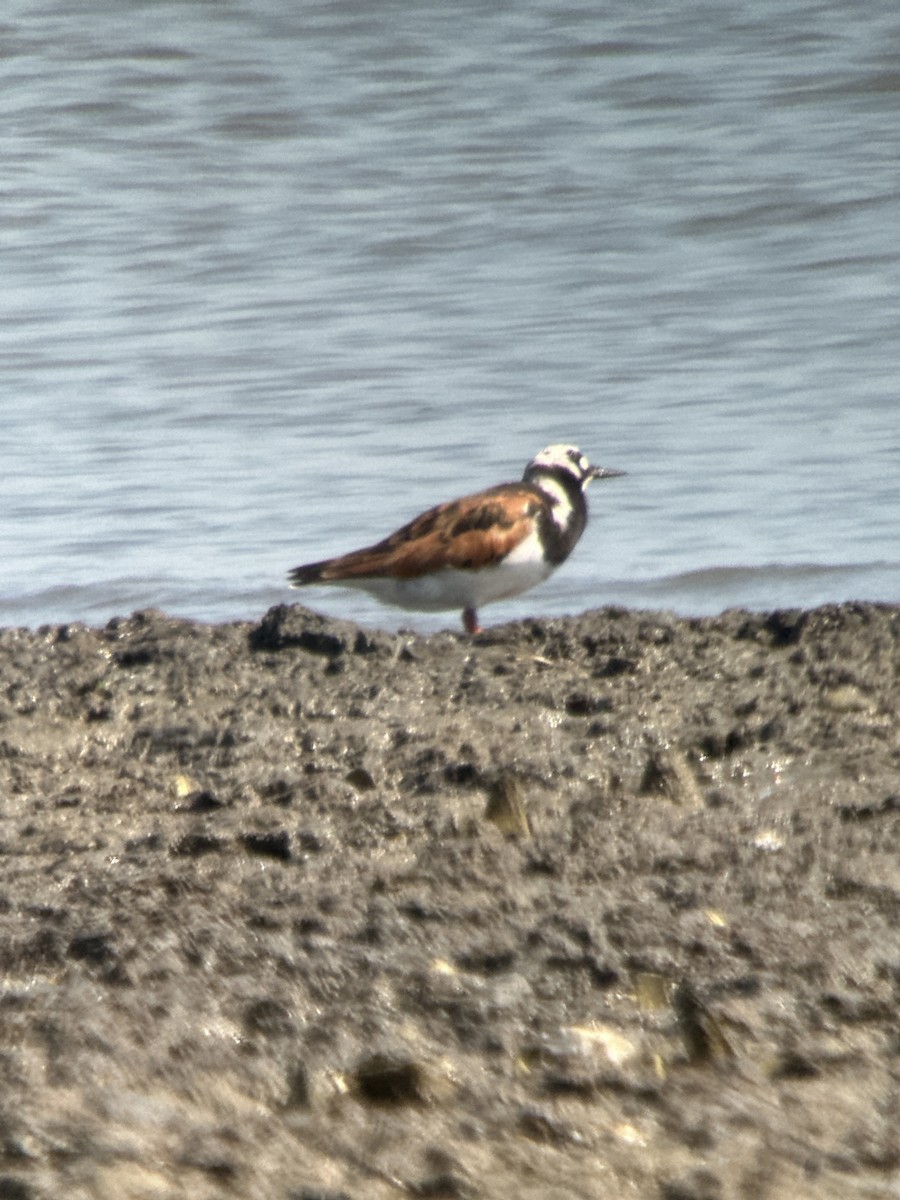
(603, 906)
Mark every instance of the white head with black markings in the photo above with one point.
(561, 460)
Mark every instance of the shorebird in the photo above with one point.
(478, 549)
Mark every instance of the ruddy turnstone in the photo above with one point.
(478, 549)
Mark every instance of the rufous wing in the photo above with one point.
(467, 534)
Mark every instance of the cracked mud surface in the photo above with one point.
(605, 906)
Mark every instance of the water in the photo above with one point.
(276, 277)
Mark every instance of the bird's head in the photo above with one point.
(568, 461)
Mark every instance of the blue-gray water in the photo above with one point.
(277, 276)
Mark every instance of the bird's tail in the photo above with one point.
(309, 573)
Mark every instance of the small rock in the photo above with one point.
(269, 1018)
(579, 704)
(202, 802)
(94, 948)
(361, 779)
(791, 1064)
(290, 625)
(276, 844)
(863, 812)
(192, 845)
(385, 1079)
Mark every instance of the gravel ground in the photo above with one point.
(606, 906)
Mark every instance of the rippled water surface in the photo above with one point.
(276, 277)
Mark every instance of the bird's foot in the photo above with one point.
(470, 621)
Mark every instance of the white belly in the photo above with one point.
(454, 589)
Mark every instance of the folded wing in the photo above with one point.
(466, 534)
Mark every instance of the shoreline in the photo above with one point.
(593, 905)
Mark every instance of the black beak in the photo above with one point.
(604, 473)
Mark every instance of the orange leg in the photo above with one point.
(470, 621)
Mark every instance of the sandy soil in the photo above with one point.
(599, 907)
